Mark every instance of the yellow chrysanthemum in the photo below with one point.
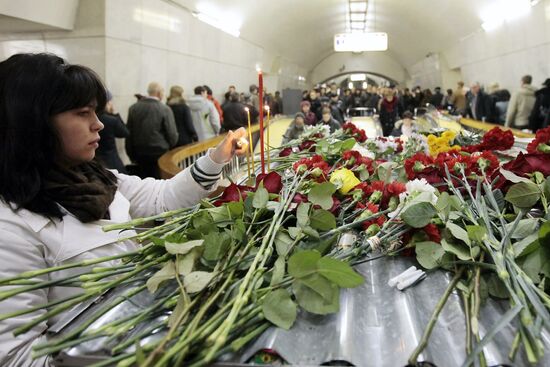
(345, 179)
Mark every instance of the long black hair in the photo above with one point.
(33, 88)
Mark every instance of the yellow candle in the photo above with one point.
(268, 141)
(250, 140)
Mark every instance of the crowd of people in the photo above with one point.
(153, 127)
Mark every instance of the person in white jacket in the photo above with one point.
(54, 198)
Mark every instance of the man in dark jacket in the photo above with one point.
(107, 152)
(480, 105)
(436, 98)
(540, 115)
(234, 114)
(152, 131)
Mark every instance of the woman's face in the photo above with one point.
(299, 122)
(305, 108)
(78, 131)
(326, 116)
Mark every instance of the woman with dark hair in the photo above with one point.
(54, 198)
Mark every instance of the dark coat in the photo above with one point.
(234, 116)
(184, 124)
(107, 152)
(484, 108)
(152, 129)
(436, 99)
(540, 115)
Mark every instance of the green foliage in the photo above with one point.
(322, 220)
(182, 248)
(429, 254)
(279, 308)
(321, 194)
(261, 197)
(168, 271)
(196, 281)
(523, 194)
(419, 215)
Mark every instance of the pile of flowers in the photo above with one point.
(229, 268)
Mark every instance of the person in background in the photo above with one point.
(182, 115)
(374, 99)
(459, 100)
(437, 98)
(215, 102)
(52, 211)
(500, 99)
(406, 100)
(357, 99)
(418, 97)
(309, 117)
(328, 120)
(295, 129)
(235, 114)
(205, 115)
(480, 106)
(254, 98)
(521, 104)
(337, 107)
(540, 114)
(114, 127)
(427, 98)
(446, 101)
(277, 104)
(347, 99)
(152, 131)
(305, 95)
(405, 126)
(254, 113)
(334, 89)
(389, 111)
(315, 103)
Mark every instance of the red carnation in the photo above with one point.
(541, 142)
(433, 232)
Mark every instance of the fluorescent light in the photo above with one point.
(359, 42)
(365, 85)
(221, 25)
(357, 25)
(357, 77)
(356, 6)
(357, 17)
(350, 85)
(157, 20)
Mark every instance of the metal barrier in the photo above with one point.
(176, 160)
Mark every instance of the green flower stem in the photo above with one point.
(466, 302)
(37, 308)
(90, 293)
(475, 312)
(12, 292)
(353, 224)
(47, 348)
(433, 319)
(80, 264)
(141, 221)
(131, 341)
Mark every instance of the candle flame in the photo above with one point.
(266, 107)
(246, 109)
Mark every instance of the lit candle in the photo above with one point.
(268, 140)
(261, 98)
(251, 150)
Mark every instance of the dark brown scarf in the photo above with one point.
(86, 190)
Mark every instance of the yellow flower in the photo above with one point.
(448, 135)
(345, 179)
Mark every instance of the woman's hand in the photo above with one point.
(234, 143)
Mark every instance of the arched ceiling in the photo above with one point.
(302, 31)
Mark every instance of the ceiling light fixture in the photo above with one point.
(505, 10)
(360, 41)
(358, 6)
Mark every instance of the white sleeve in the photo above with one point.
(149, 196)
(16, 256)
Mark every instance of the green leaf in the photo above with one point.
(385, 171)
(546, 188)
(322, 220)
(526, 245)
(261, 197)
(140, 356)
(215, 245)
(496, 287)
(278, 270)
(220, 215)
(312, 302)
(524, 228)
(303, 263)
(347, 145)
(443, 205)
(236, 208)
(523, 194)
(419, 215)
(322, 246)
(203, 221)
(167, 272)
(512, 177)
(279, 309)
(544, 233)
(311, 232)
(238, 230)
(196, 281)
(182, 248)
(461, 251)
(429, 254)
(499, 198)
(458, 233)
(476, 233)
(180, 306)
(302, 214)
(339, 272)
(283, 242)
(186, 263)
(319, 284)
(321, 194)
(295, 232)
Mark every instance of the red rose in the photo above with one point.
(285, 152)
(541, 142)
(307, 145)
(272, 182)
(233, 193)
